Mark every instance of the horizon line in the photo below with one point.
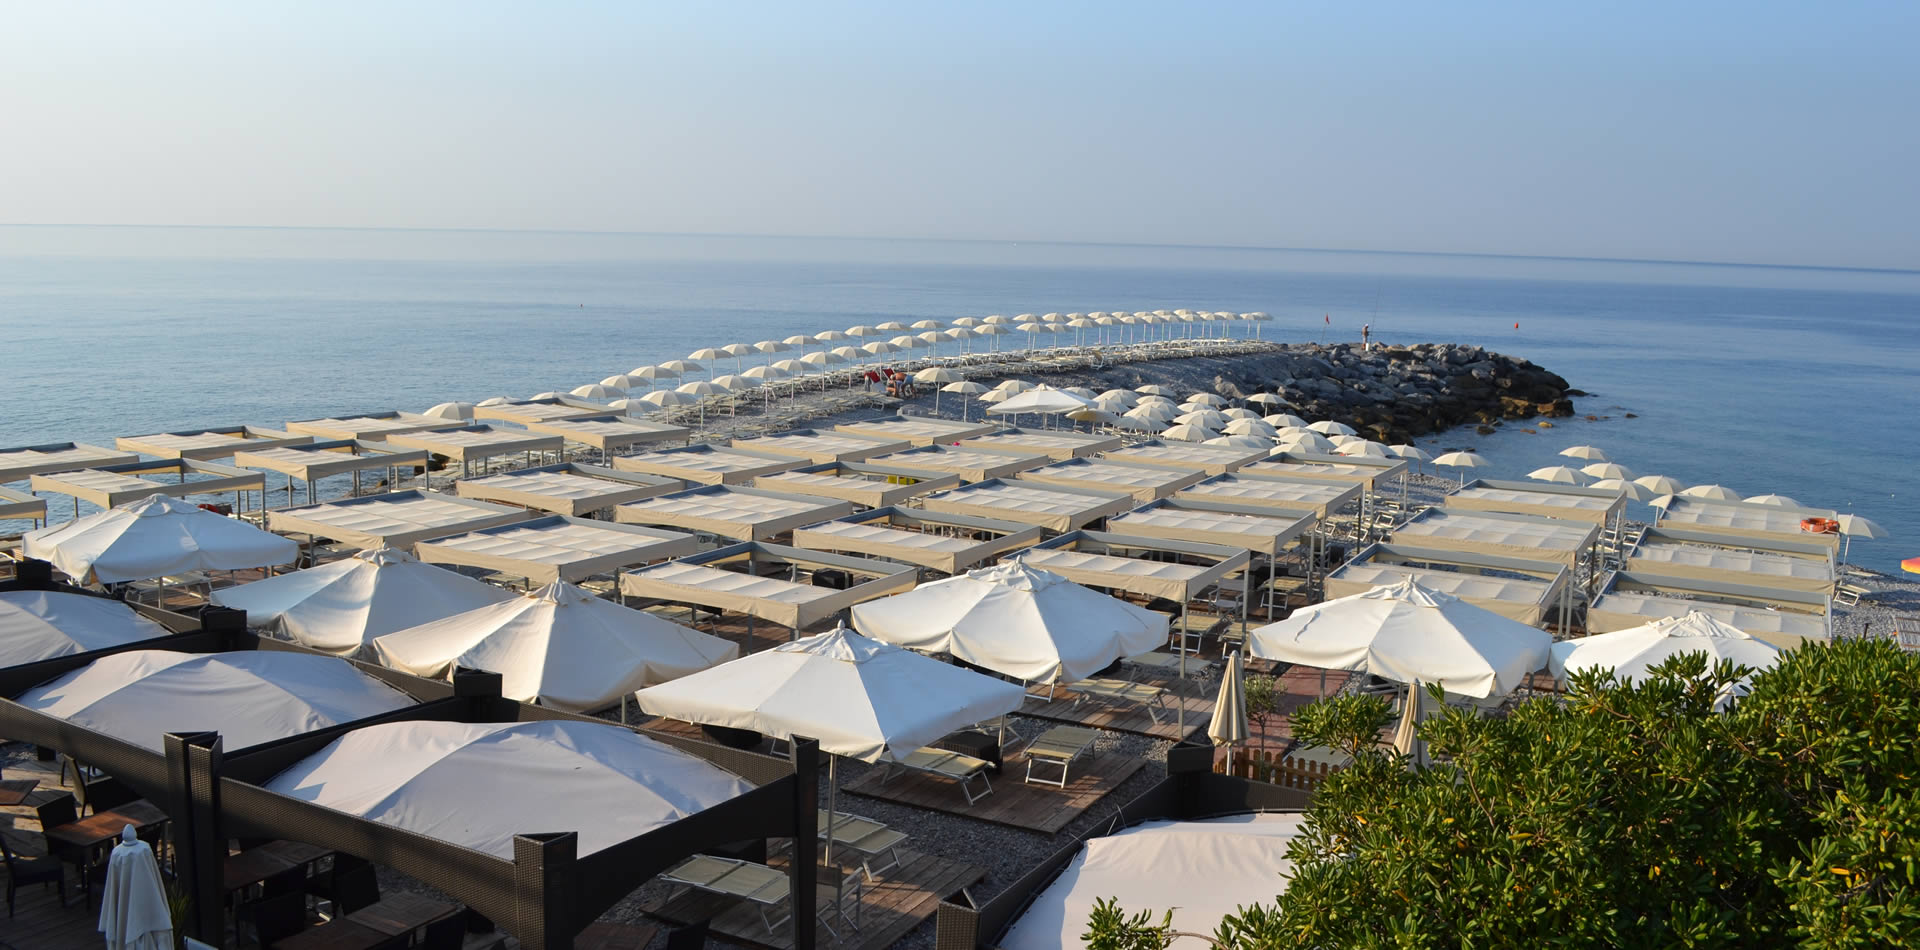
(1499, 255)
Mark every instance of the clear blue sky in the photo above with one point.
(1762, 132)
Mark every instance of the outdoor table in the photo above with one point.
(608, 935)
(13, 791)
(295, 852)
(101, 827)
(252, 866)
(401, 914)
(338, 934)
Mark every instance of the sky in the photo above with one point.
(1749, 132)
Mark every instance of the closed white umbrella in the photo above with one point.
(1585, 453)
(1559, 474)
(337, 607)
(1229, 725)
(1711, 492)
(1660, 484)
(451, 410)
(1406, 736)
(154, 537)
(1606, 470)
(1631, 653)
(133, 904)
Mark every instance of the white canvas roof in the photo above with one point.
(775, 599)
(860, 698)
(1101, 559)
(1410, 634)
(569, 489)
(541, 410)
(39, 625)
(1540, 499)
(116, 485)
(946, 543)
(973, 465)
(471, 443)
(1051, 507)
(918, 430)
(25, 461)
(1621, 610)
(747, 514)
(557, 548)
(155, 537)
(1202, 870)
(1260, 534)
(609, 433)
(249, 697)
(320, 459)
(1350, 473)
(336, 608)
(208, 443)
(821, 448)
(478, 785)
(1732, 566)
(1630, 653)
(1525, 601)
(395, 519)
(870, 486)
(1321, 498)
(1015, 620)
(706, 465)
(1212, 459)
(1058, 446)
(1042, 399)
(1500, 533)
(1144, 482)
(1738, 520)
(559, 646)
(372, 426)
(19, 504)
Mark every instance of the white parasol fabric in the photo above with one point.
(133, 904)
(451, 410)
(154, 537)
(477, 785)
(338, 607)
(1586, 453)
(1559, 474)
(1409, 633)
(1630, 653)
(1711, 493)
(41, 624)
(1229, 725)
(1040, 399)
(1025, 623)
(559, 646)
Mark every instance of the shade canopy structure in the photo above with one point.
(772, 582)
(25, 461)
(111, 485)
(316, 460)
(1178, 571)
(1732, 566)
(1212, 459)
(861, 483)
(917, 430)
(395, 519)
(336, 608)
(1203, 870)
(942, 542)
(1331, 466)
(1266, 532)
(1700, 593)
(1319, 497)
(371, 426)
(156, 536)
(727, 511)
(1144, 482)
(574, 489)
(23, 506)
(478, 443)
(971, 464)
(205, 444)
(819, 447)
(1572, 502)
(615, 432)
(38, 624)
(1630, 653)
(1527, 590)
(423, 777)
(250, 696)
(1409, 634)
(1734, 520)
(523, 411)
(1015, 620)
(1053, 507)
(557, 548)
(1622, 610)
(559, 646)
(708, 465)
(1500, 533)
(860, 698)
(1058, 445)
(1040, 400)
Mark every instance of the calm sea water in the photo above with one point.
(1793, 381)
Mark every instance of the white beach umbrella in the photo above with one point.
(1365, 449)
(451, 410)
(967, 322)
(1213, 400)
(1132, 424)
(623, 381)
(1237, 413)
(1270, 399)
(928, 325)
(706, 355)
(1257, 427)
(632, 407)
(1711, 492)
(1127, 396)
(793, 367)
(1094, 415)
(907, 342)
(936, 374)
(1606, 470)
(1411, 453)
(732, 382)
(800, 339)
(1461, 461)
(1631, 653)
(546, 395)
(992, 396)
(1202, 417)
(822, 359)
(1662, 502)
(767, 373)
(1159, 415)
(829, 336)
(668, 398)
(1660, 484)
(651, 374)
(337, 607)
(997, 320)
(1115, 406)
(1340, 440)
(1633, 490)
(1409, 633)
(1155, 390)
(852, 354)
(1012, 387)
(1285, 419)
(596, 391)
(1188, 432)
(39, 625)
(681, 368)
(891, 326)
(1773, 501)
(964, 388)
(1229, 724)
(1855, 526)
(493, 401)
(154, 537)
(1559, 474)
(879, 348)
(1586, 453)
(1330, 427)
(701, 387)
(1240, 441)
(865, 332)
(1308, 441)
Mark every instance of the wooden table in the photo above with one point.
(14, 791)
(607, 935)
(102, 827)
(401, 913)
(295, 852)
(252, 866)
(339, 934)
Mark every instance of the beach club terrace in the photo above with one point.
(314, 461)
(394, 519)
(1740, 522)
(708, 465)
(821, 448)
(785, 586)
(1058, 444)
(1813, 608)
(1323, 499)
(731, 512)
(556, 548)
(1144, 482)
(609, 434)
(523, 411)
(1212, 459)
(25, 461)
(22, 506)
(469, 444)
(575, 489)
(111, 485)
(206, 444)
(1155, 569)
(371, 426)
(1056, 508)
(1528, 590)
(946, 543)
(972, 465)
(865, 484)
(918, 430)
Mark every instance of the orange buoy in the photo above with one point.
(1820, 525)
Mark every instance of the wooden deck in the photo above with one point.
(1194, 696)
(39, 921)
(898, 902)
(1014, 803)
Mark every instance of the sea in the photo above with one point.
(1798, 381)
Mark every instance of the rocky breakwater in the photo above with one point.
(1395, 394)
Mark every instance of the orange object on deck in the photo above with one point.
(1820, 525)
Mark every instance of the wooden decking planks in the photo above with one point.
(1195, 694)
(1014, 803)
(39, 920)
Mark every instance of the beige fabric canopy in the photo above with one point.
(570, 488)
(204, 444)
(1733, 567)
(372, 426)
(543, 410)
(609, 433)
(317, 460)
(942, 542)
(1763, 595)
(1325, 465)
(1051, 507)
(823, 448)
(972, 465)
(471, 443)
(557, 548)
(1809, 547)
(704, 580)
(113, 485)
(707, 465)
(1540, 499)
(395, 519)
(1212, 459)
(1253, 530)
(1624, 609)
(1324, 471)
(1737, 520)
(866, 485)
(1499, 533)
(1151, 567)
(1318, 496)
(1144, 482)
(728, 511)
(21, 505)
(26, 461)
(1529, 601)
(917, 430)
(1059, 446)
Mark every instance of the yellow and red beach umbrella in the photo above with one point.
(1911, 565)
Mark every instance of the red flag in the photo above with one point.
(1327, 318)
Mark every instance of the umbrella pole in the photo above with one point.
(833, 807)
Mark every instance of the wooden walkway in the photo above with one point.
(39, 921)
(1014, 803)
(1195, 695)
(890, 907)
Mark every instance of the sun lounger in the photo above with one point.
(865, 837)
(1167, 664)
(1122, 691)
(758, 884)
(1059, 747)
(1847, 595)
(961, 768)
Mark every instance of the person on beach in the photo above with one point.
(1366, 329)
